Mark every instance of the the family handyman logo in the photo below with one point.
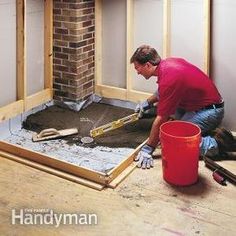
(49, 217)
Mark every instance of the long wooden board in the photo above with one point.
(75, 173)
(50, 161)
(53, 171)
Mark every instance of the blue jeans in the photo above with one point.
(207, 120)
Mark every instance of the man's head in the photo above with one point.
(145, 60)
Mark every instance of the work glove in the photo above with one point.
(142, 107)
(144, 157)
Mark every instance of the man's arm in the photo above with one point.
(144, 157)
(154, 134)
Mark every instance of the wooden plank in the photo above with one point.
(11, 110)
(166, 28)
(110, 92)
(50, 161)
(114, 183)
(23, 154)
(125, 163)
(98, 42)
(20, 50)
(53, 171)
(38, 99)
(129, 42)
(207, 36)
(120, 93)
(137, 96)
(48, 43)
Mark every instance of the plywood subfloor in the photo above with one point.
(143, 204)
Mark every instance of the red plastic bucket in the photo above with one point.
(180, 143)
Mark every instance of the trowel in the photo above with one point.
(52, 133)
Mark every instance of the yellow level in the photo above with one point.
(113, 125)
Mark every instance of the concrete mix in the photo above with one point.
(105, 153)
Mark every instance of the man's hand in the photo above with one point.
(142, 107)
(144, 157)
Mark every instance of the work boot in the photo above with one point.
(225, 140)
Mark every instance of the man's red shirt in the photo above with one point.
(183, 85)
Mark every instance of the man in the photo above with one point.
(183, 90)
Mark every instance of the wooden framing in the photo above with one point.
(166, 28)
(48, 47)
(69, 171)
(11, 110)
(38, 98)
(24, 102)
(207, 24)
(129, 93)
(51, 170)
(98, 39)
(94, 179)
(129, 43)
(20, 50)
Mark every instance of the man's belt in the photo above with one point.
(213, 106)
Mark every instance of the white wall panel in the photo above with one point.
(187, 30)
(8, 51)
(148, 29)
(35, 46)
(223, 56)
(114, 43)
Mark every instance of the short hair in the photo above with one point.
(144, 54)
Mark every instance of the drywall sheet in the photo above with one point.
(35, 45)
(187, 30)
(8, 52)
(114, 43)
(148, 29)
(223, 56)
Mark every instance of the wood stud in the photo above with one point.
(166, 28)
(207, 35)
(23, 102)
(129, 93)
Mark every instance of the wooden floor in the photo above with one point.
(143, 204)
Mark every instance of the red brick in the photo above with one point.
(60, 43)
(88, 48)
(73, 49)
(61, 68)
(61, 31)
(61, 81)
(56, 49)
(87, 23)
(57, 11)
(56, 24)
(61, 55)
(57, 61)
